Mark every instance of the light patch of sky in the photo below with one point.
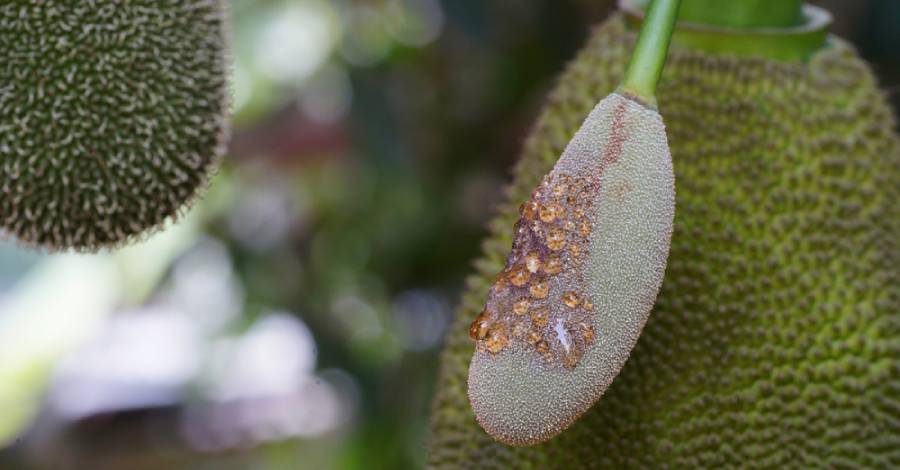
(297, 39)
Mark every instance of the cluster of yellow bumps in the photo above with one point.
(552, 235)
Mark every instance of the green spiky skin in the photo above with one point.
(112, 116)
(775, 341)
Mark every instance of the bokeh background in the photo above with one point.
(293, 318)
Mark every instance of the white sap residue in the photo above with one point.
(562, 334)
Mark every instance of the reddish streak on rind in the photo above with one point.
(615, 143)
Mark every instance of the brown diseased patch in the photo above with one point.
(539, 301)
(543, 281)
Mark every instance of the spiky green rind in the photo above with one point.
(112, 116)
(775, 341)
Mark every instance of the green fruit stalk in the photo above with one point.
(775, 339)
(112, 116)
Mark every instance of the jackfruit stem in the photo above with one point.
(649, 56)
(716, 33)
(743, 13)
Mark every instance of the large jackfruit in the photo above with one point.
(775, 340)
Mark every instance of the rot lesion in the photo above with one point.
(539, 301)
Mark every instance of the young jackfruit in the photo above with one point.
(112, 116)
(586, 265)
(775, 340)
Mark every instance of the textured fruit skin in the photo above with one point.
(775, 340)
(617, 173)
(112, 116)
